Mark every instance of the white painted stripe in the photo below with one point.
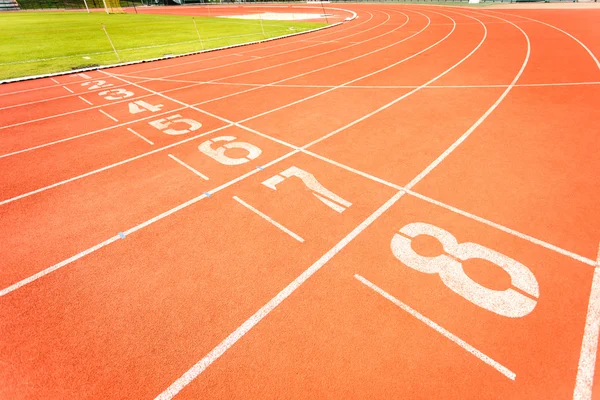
(201, 175)
(236, 335)
(69, 90)
(85, 100)
(558, 29)
(456, 210)
(513, 232)
(87, 133)
(276, 65)
(491, 362)
(465, 135)
(55, 81)
(140, 136)
(42, 189)
(140, 226)
(99, 68)
(53, 268)
(269, 219)
(108, 115)
(193, 84)
(589, 347)
(85, 76)
(251, 50)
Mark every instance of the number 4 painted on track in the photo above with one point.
(140, 106)
(326, 196)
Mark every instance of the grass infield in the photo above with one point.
(46, 42)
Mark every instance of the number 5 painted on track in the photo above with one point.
(309, 180)
(508, 303)
(164, 123)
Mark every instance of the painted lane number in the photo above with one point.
(329, 198)
(218, 153)
(116, 94)
(164, 124)
(96, 84)
(508, 303)
(141, 106)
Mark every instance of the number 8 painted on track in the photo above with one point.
(508, 303)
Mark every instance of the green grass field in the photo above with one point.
(45, 42)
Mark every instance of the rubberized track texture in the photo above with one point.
(404, 205)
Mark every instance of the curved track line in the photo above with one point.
(468, 133)
(154, 92)
(230, 340)
(558, 29)
(197, 61)
(55, 267)
(60, 183)
(144, 79)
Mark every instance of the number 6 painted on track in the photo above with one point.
(219, 153)
(508, 303)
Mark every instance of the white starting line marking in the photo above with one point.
(85, 76)
(269, 219)
(140, 136)
(55, 81)
(109, 116)
(189, 167)
(589, 347)
(496, 365)
(87, 101)
(69, 90)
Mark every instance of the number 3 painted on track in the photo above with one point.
(508, 303)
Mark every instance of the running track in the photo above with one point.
(402, 206)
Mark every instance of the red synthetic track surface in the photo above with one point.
(143, 260)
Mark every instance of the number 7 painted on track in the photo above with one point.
(326, 196)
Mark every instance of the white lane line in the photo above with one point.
(84, 76)
(268, 219)
(87, 101)
(193, 84)
(589, 347)
(69, 90)
(488, 360)
(71, 112)
(55, 81)
(146, 154)
(53, 268)
(455, 210)
(96, 171)
(353, 27)
(140, 136)
(558, 29)
(468, 133)
(67, 139)
(236, 335)
(220, 349)
(201, 175)
(272, 44)
(108, 115)
(513, 232)
(142, 225)
(271, 66)
(260, 85)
